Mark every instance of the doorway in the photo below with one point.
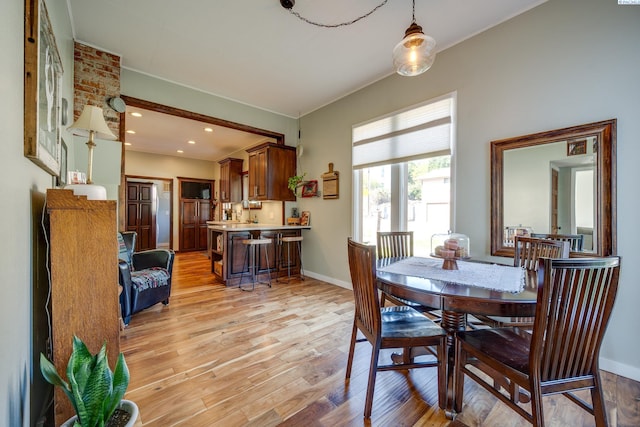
(149, 211)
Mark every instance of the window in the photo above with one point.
(401, 173)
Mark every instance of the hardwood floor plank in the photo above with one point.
(218, 356)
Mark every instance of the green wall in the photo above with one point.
(560, 64)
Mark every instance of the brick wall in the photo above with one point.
(96, 79)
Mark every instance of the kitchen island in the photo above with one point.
(228, 253)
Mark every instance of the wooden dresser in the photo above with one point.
(84, 281)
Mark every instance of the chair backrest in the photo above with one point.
(528, 250)
(126, 246)
(575, 298)
(575, 240)
(394, 244)
(362, 265)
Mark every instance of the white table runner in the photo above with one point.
(490, 276)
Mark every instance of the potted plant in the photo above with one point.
(295, 182)
(94, 391)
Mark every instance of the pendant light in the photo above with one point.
(416, 52)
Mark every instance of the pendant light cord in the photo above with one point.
(413, 16)
(342, 24)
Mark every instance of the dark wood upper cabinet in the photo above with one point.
(230, 180)
(270, 166)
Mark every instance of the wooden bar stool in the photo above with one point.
(251, 262)
(289, 241)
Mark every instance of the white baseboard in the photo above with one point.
(621, 369)
(333, 281)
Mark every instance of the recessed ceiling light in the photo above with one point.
(136, 114)
(127, 143)
(131, 131)
(208, 130)
(191, 142)
(180, 151)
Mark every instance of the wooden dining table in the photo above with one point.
(456, 301)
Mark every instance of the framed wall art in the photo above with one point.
(42, 81)
(575, 148)
(310, 188)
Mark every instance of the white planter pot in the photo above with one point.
(125, 405)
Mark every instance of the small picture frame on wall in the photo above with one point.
(575, 148)
(310, 189)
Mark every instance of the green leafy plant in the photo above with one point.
(296, 181)
(94, 391)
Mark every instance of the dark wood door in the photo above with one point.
(194, 214)
(141, 214)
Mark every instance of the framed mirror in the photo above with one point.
(557, 184)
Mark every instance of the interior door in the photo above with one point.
(141, 213)
(554, 202)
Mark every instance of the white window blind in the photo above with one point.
(415, 133)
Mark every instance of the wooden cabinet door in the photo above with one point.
(188, 224)
(204, 215)
(258, 175)
(141, 214)
(225, 195)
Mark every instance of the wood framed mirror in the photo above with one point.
(558, 182)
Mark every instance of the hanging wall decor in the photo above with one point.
(330, 185)
(42, 83)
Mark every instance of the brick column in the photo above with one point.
(96, 79)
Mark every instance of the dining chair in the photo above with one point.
(528, 251)
(575, 240)
(392, 244)
(388, 327)
(574, 302)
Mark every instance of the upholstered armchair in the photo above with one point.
(145, 276)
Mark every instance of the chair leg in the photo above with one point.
(373, 370)
(537, 414)
(352, 347)
(599, 410)
(442, 373)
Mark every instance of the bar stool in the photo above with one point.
(298, 241)
(251, 263)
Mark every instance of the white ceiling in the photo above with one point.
(257, 53)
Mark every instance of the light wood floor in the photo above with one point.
(222, 357)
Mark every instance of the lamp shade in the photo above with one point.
(92, 119)
(416, 52)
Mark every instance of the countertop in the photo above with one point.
(239, 226)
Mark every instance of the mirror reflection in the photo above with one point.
(550, 189)
(557, 184)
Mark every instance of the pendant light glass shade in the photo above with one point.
(415, 54)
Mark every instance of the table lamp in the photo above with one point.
(91, 123)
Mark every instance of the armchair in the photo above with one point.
(145, 276)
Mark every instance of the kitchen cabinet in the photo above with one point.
(196, 208)
(230, 180)
(270, 166)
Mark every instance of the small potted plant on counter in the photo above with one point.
(94, 391)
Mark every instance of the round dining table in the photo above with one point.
(456, 301)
